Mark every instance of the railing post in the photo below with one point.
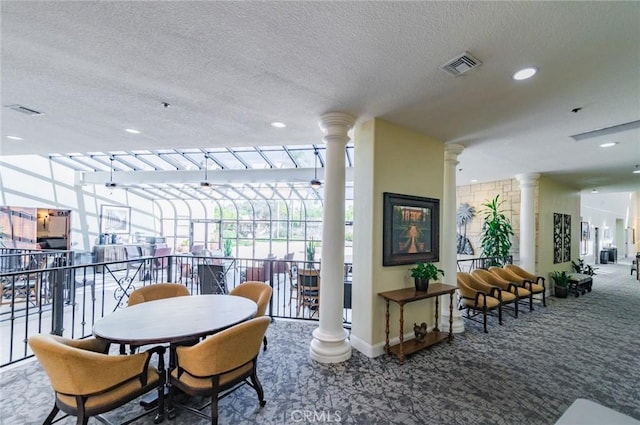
(57, 284)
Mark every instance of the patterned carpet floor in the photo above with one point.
(527, 371)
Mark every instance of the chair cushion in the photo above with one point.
(491, 302)
(106, 401)
(204, 384)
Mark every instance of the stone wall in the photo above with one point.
(478, 194)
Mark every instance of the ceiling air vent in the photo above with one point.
(606, 131)
(460, 64)
(25, 110)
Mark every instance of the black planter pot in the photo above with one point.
(421, 284)
(561, 291)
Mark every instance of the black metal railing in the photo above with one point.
(470, 264)
(65, 299)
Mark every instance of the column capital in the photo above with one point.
(527, 179)
(452, 151)
(336, 125)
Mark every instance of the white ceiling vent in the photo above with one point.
(460, 64)
(25, 110)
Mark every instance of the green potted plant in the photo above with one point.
(311, 253)
(560, 284)
(227, 247)
(496, 233)
(422, 273)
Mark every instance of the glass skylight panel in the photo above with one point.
(71, 163)
(138, 164)
(279, 159)
(179, 159)
(141, 152)
(158, 162)
(254, 159)
(228, 160)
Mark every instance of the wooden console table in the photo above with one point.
(408, 295)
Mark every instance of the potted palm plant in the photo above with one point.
(560, 284)
(496, 233)
(422, 273)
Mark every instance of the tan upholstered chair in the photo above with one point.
(157, 291)
(509, 276)
(535, 284)
(88, 382)
(258, 292)
(495, 280)
(218, 365)
(477, 300)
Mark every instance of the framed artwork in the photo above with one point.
(410, 229)
(584, 237)
(566, 238)
(561, 238)
(115, 219)
(557, 238)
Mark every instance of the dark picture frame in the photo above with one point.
(115, 219)
(410, 229)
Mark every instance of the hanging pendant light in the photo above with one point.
(206, 183)
(315, 183)
(111, 184)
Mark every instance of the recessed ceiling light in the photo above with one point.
(474, 181)
(14, 138)
(525, 73)
(637, 170)
(594, 190)
(278, 124)
(132, 130)
(608, 145)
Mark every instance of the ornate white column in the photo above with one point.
(330, 342)
(528, 220)
(449, 253)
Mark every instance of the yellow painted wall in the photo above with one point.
(553, 198)
(388, 159)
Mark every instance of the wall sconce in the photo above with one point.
(315, 183)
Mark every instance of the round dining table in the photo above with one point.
(173, 320)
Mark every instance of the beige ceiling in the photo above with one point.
(228, 69)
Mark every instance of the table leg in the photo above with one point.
(386, 329)
(401, 336)
(450, 316)
(435, 328)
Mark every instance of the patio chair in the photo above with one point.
(88, 382)
(308, 290)
(258, 292)
(219, 365)
(27, 287)
(131, 253)
(161, 261)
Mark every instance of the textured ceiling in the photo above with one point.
(228, 69)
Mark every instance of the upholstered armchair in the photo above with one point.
(218, 365)
(477, 301)
(533, 283)
(88, 382)
(495, 280)
(258, 292)
(157, 291)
